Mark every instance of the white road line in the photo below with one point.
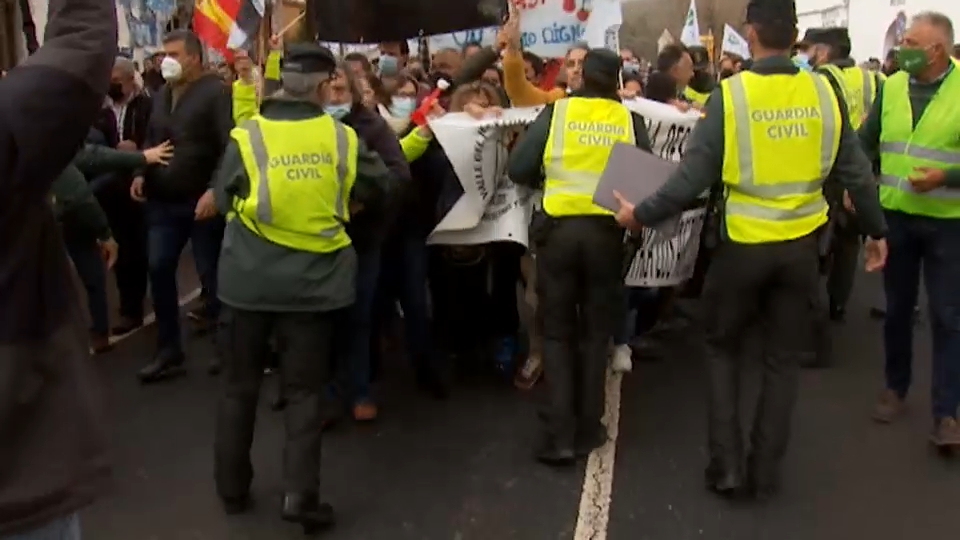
(594, 513)
(150, 318)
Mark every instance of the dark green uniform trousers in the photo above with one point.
(306, 346)
(579, 288)
(770, 285)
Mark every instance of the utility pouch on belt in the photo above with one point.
(712, 221)
(540, 226)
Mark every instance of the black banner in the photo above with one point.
(376, 21)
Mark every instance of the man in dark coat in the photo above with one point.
(52, 429)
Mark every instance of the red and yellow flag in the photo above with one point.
(226, 24)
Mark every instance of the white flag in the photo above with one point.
(734, 43)
(690, 35)
(604, 24)
(665, 39)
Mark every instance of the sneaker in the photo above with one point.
(946, 433)
(621, 360)
(529, 373)
(888, 407)
(365, 411)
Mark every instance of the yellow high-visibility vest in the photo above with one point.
(859, 88)
(301, 174)
(695, 97)
(245, 104)
(781, 135)
(935, 142)
(582, 134)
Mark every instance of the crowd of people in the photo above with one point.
(316, 281)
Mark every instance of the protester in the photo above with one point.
(177, 199)
(124, 126)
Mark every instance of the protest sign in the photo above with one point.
(378, 21)
(494, 209)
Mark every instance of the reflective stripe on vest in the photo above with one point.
(262, 160)
(746, 156)
(869, 90)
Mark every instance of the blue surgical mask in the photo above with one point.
(389, 65)
(338, 111)
(402, 107)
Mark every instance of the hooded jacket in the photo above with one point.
(53, 448)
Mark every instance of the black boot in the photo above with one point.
(724, 481)
(167, 364)
(307, 510)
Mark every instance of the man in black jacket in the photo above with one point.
(123, 122)
(52, 430)
(194, 112)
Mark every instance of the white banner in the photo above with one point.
(734, 43)
(690, 34)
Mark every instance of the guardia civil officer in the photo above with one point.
(857, 88)
(773, 136)
(578, 246)
(288, 182)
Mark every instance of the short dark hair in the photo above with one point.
(660, 87)
(670, 56)
(535, 61)
(777, 36)
(359, 57)
(191, 43)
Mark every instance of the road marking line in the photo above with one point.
(151, 317)
(594, 513)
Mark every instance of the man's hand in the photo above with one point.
(276, 42)
(875, 254)
(206, 208)
(160, 154)
(129, 146)
(681, 105)
(848, 202)
(509, 36)
(136, 190)
(435, 112)
(109, 250)
(926, 179)
(625, 213)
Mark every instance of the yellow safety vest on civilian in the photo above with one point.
(859, 88)
(244, 102)
(301, 173)
(781, 135)
(935, 142)
(582, 134)
(695, 97)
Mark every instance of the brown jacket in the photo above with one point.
(53, 458)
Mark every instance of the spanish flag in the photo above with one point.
(227, 24)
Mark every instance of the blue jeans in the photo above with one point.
(917, 242)
(93, 273)
(638, 301)
(169, 227)
(403, 277)
(353, 358)
(65, 528)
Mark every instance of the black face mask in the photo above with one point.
(115, 91)
(724, 73)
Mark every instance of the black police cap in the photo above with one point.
(309, 58)
(772, 12)
(813, 35)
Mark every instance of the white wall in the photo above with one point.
(870, 22)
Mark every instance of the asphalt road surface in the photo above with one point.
(462, 470)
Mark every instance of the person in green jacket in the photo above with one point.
(86, 231)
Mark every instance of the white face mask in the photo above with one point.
(170, 69)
